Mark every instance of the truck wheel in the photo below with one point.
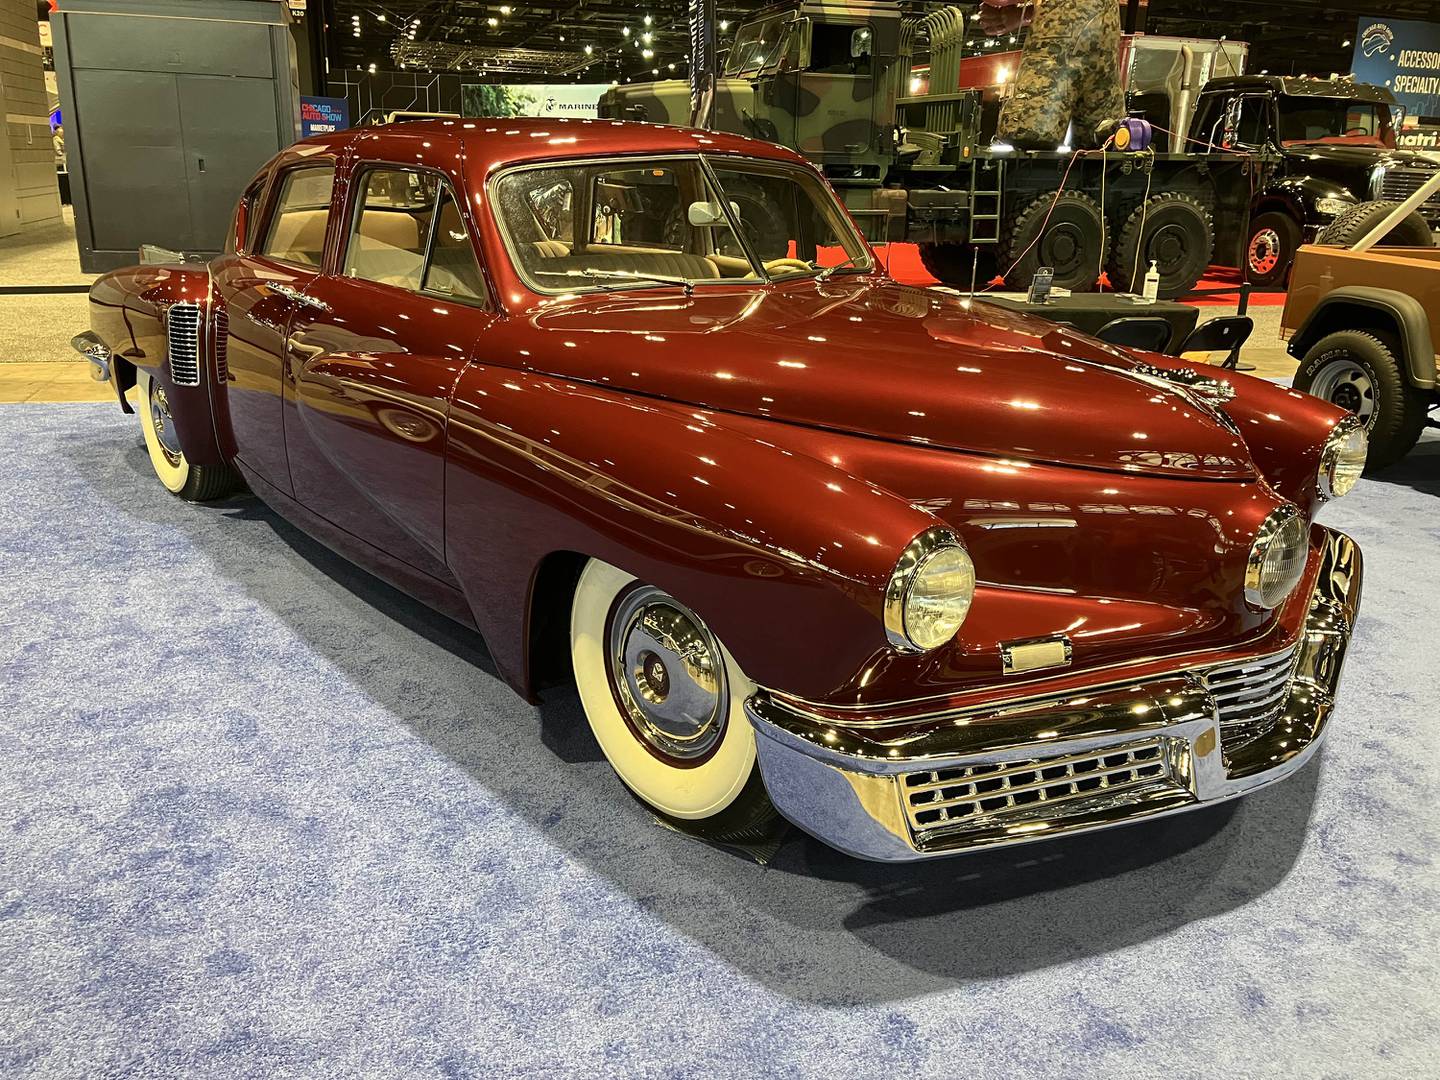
(1178, 238)
(1351, 227)
(666, 702)
(952, 264)
(194, 483)
(1066, 233)
(1274, 237)
(1360, 372)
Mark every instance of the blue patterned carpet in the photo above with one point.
(260, 815)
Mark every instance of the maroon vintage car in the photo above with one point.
(637, 403)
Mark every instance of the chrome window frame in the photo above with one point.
(708, 162)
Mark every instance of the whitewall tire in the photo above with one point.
(172, 468)
(666, 702)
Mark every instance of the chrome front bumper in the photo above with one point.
(96, 351)
(1039, 767)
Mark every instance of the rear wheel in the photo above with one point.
(1174, 232)
(195, 483)
(666, 702)
(1274, 237)
(1360, 372)
(955, 264)
(1066, 233)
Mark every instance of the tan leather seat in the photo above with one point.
(299, 237)
(669, 263)
(386, 248)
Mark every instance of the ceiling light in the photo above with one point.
(381, 16)
(724, 24)
(647, 20)
(672, 67)
(492, 21)
(504, 9)
(589, 49)
(372, 69)
(625, 30)
(647, 53)
(647, 37)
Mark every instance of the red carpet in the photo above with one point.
(904, 264)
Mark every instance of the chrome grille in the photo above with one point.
(1399, 184)
(1249, 695)
(974, 794)
(221, 323)
(182, 344)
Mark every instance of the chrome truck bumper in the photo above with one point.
(1039, 767)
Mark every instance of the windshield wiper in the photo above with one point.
(847, 264)
(687, 284)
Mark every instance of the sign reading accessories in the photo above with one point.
(1405, 57)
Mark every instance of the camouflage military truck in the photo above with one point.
(833, 81)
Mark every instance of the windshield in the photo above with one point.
(1336, 120)
(652, 222)
(756, 45)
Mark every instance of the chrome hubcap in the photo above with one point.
(1348, 385)
(1264, 251)
(164, 425)
(667, 674)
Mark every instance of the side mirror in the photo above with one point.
(860, 43)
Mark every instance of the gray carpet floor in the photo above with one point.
(262, 816)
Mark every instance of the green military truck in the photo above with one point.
(834, 82)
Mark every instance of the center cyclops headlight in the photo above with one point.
(929, 593)
(1277, 559)
(1342, 459)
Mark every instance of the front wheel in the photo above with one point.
(194, 483)
(1270, 250)
(666, 702)
(1360, 372)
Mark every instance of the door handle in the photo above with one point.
(294, 295)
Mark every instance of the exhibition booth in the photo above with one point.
(745, 539)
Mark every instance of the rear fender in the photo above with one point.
(129, 311)
(785, 557)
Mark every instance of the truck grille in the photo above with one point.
(973, 795)
(182, 344)
(1249, 696)
(1399, 184)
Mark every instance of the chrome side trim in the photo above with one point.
(848, 785)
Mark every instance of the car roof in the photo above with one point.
(1304, 86)
(495, 142)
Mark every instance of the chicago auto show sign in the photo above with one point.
(1405, 57)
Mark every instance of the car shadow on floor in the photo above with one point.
(811, 923)
(1418, 470)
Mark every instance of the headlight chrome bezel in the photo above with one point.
(1334, 206)
(908, 569)
(1284, 522)
(1342, 432)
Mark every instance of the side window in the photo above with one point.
(1254, 126)
(637, 207)
(392, 227)
(840, 50)
(408, 232)
(1206, 125)
(451, 269)
(302, 210)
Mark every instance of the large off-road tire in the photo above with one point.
(1178, 237)
(666, 702)
(954, 264)
(1350, 227)
(1067, 233)
(1270, 248)
(194, 483)
(1361, 372)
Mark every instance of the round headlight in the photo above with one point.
(1277, 559)
(1343, 458)
(929, 593)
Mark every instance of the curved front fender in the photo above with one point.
(785, 556)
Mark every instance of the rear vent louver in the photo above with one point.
(182, 332)
(221, 323)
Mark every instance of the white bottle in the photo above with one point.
(1152, 284)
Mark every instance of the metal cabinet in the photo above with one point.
(169, 107)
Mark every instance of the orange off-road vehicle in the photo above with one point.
(1364, 320)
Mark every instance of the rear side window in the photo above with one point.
(408, 233)
(302, 211)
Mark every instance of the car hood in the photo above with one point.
(866, 355)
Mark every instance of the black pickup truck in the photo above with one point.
(1332, 143)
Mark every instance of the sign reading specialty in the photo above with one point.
(1404, 56)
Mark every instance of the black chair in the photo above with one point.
(1148, 332)
(1226, 334)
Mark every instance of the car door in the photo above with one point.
(256, 288)
(374, 352)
